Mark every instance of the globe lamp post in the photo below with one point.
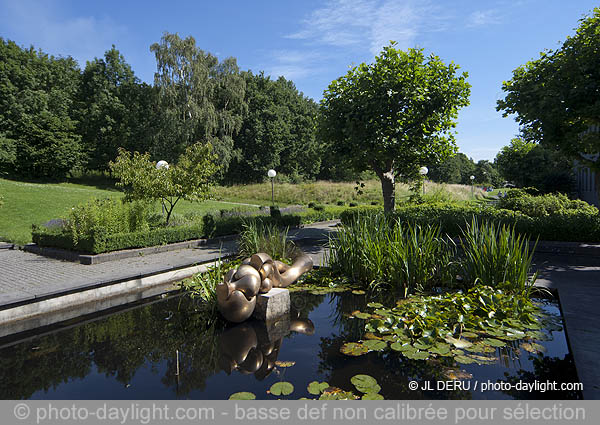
(271, 173)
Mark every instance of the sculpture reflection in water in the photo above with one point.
(254, 346)
(236, 295)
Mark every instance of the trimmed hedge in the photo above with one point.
(569, 225)
(212, 225)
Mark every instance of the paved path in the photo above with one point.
(577, 279)
(25, 276)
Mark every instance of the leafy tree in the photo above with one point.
(528, 164)
(277, 132)
(486, 173)
(457, 170)
(190, 179)
(394, 115)
(556, 98)
(114, 109)
(198, 98)
(38, 130)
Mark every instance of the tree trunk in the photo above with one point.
(388, 188)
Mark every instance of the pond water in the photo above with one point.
(168, 349)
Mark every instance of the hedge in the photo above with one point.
(570, 225)
(212, 225)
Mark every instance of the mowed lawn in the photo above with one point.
(36, 203)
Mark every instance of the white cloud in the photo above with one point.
(483, 17)
(370, 23)
(44, 26)
(293, 64)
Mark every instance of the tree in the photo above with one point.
(457, 169)
(198, 98)
(556, 98)
(277, 132)
(190, 179)
(38, 129)
(114, 109)
(394, 115)
(528, 164)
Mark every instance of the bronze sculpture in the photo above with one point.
(236, 295)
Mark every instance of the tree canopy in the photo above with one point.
(394, 115)
(556, 98)
(528, 164)
(191, 178)
(199, 98)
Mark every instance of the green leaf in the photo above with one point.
(494, 342)
(353, 349)
(363, 316)
(358, 292)
(317, 388)
(458, 343)
(282, 388)
(372, 396)
(375, 345)
(365, 384)
(464, 359)
(242, 396)
(375, 305)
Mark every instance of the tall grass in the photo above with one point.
(267, 238)
(326, 192)
(382, 253)
(497, 256)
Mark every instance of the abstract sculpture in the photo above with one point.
(236, 295)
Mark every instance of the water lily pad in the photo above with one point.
(483, 359)
(464, 359)
(375, 305)
(383, 312)
(372, 396)
(358, 292)
(371, 335)
(334, 393)
(282, 388)
(375, 345)
(532, 347)
(244, 395)
(353, 349)
(480, 347)
(441, 349)
(365, 384)
(360, 315)
(416, 355)
(317, 388)
(469, 334)
(456, 374)
(458, 343)
(284, 364)
(494, 342)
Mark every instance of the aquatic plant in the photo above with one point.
(381, 252)
(268, 238)
(495, 255)
(365, 384)
(467, 327)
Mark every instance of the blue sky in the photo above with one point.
(313, 42)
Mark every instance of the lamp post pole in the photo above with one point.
(423, 171)
(162, 164)
(472, 186)
(271, 173)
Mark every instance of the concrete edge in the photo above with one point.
(90, 259)
(38, 308)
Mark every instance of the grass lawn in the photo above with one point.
(36, 203)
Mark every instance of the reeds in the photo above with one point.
(268, 238)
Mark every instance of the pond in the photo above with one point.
(168, 349)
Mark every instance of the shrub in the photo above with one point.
(341, 203)
(311, 204)
(318, 207)
(353, 204)
(544, 205)
(275, 212)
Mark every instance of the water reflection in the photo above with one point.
(253, 347)
(174, 349)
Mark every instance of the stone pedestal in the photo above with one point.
(272, 305)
